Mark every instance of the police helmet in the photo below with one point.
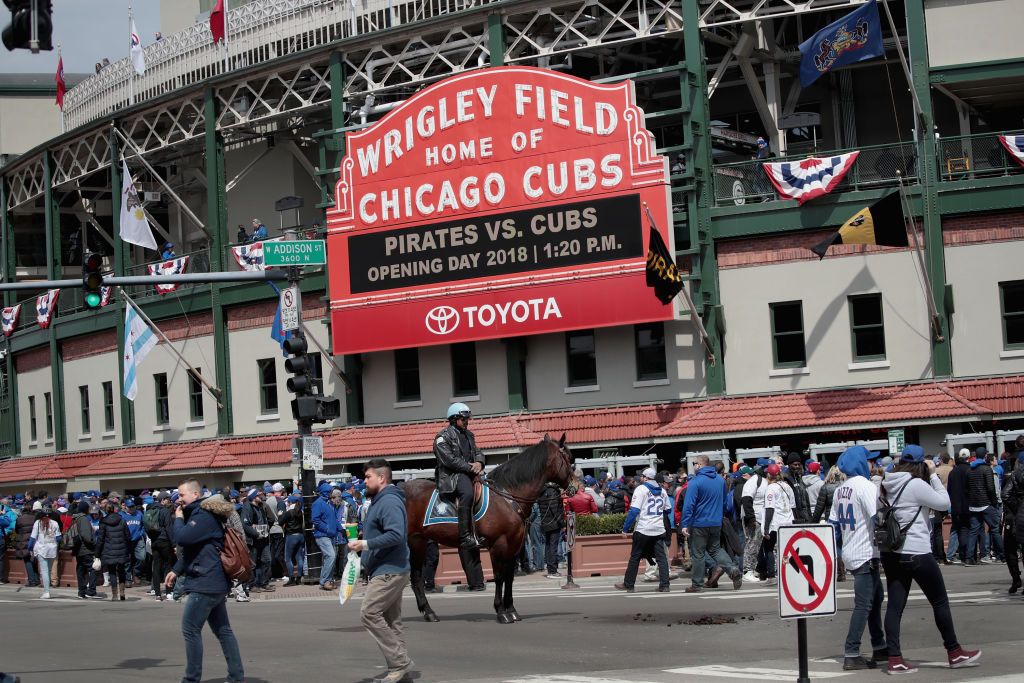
(459, 410)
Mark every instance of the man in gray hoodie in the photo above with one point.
(385, 559)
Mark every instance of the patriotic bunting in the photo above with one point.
(46, 304)
(1014, 144)
(812, 177)
(250, 256)
(175, 266)
(10, 319)
(106, 296)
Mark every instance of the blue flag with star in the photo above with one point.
(854, 38)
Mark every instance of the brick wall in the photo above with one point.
(32, 360)
(89, 345)
(787, 248)
(967, 229)
(197, 325)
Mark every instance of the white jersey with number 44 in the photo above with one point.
(853, 514)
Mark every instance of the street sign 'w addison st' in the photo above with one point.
(503, 202)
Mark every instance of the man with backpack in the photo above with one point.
(199, 530)
(158, 521)
(82, 543)
(854, 504)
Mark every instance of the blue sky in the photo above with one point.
(88, 31)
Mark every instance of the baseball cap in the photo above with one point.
(773, 469)
(294, 498)
(164, 496)
(912, 453)
(763, 462)
(62, 509)
(746, 470)
(649, 473)
(278, 487)
(981, 451)
(129, 502)
(813, 467)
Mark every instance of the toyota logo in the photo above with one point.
(442, 319)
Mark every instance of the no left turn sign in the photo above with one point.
(807, 571)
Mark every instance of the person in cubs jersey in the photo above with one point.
(854, 504)
(647, 509)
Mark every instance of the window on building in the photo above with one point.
(650, 351)
(268, 385)
(407, 374)
(48, 404)
(788, 334)
(464, 369)
(581, 358)
(83, 395)
(33, 426)
(866, 327)
(1012, 299)
(195, 395)
(163, 401)
(108, 406)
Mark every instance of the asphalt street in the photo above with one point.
(593, 635)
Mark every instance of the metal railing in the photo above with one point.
(198, 262)
(259, 31)
(976, 156)
(746, 182)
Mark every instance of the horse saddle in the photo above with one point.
(444, 508)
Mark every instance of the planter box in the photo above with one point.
(65, 569)
(605, 555)
(449, 567)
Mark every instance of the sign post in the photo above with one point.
(807, 579)
(290, 308)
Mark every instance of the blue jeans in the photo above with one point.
(294, 554)
(987, 518)
(867, 608)
(706, 551)
(537, 545)
(201, 608)
(136, 559)
(30, 571)
(326, 546)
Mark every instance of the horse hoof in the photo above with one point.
(430, 617)
(515, 615)
(504, 618)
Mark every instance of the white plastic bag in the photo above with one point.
(97, 564)
(349, 577)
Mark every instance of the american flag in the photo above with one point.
(106, 296)
(10, 319)
(812, 177)
(175, 266)
(1014, 144)
(46, 304)
(250, 256)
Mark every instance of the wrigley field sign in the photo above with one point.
(503, 202)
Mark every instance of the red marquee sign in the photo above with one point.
(503, 202)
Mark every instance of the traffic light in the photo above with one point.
(18, 34)
(306, 406)
(92, 280)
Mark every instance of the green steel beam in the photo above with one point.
(693, 84)
(917, 42)
(10, 268)
(54, 270)
(496, 40)
(978, 71)
(126, 408)
(9, 426)
(216, 225)
(981, 194)
(13, 425)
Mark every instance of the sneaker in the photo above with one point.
(95, 596)
(82, 596)
(663, 589)
(955, 560)
(650, 579)
(151, 592)
(960, 657)
(737, 581)
(694, 589)
(970, 563)
(242, 598)
(751, 577)
(857, 663)
(1014, 586)
(623, 587)
(897, 666)
(984, 560)
(771, 581)
(158, 598)
(553, 575)
(178, 599)
(269, 589)
(45, 595)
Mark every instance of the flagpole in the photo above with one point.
(694, 315)
(131, 71)
(60, 56)
(337, 369)
(227, 31)
(214, 391)
(903, 59)
(918, 248)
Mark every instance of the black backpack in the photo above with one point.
(889, 535)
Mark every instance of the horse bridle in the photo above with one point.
(519, 501)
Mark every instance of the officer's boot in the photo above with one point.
(467, 532)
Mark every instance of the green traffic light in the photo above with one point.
(92, 300)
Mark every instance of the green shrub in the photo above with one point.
(592, 525)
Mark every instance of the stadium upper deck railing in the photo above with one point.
(260, 31)
(877, 166)
(976, 156)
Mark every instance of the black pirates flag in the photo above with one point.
(881, 223)
(662, 273)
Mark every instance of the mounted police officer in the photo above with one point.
(459, 461)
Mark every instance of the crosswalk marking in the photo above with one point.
(750, 673)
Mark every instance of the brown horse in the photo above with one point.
(514, 487)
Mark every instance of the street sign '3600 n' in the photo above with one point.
(295, 253)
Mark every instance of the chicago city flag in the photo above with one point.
(881, 223)
(46, 304)
(852, 39)
(10, 319)
(809, 178)
(1014, 144)
(139, 340)
(175, 266)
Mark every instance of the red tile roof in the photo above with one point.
(910, 403)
